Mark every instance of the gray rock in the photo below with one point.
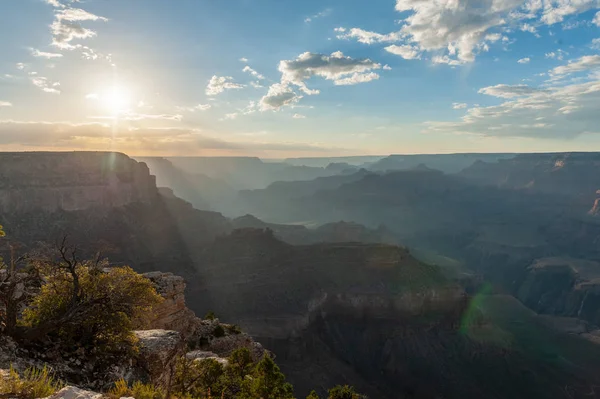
(75, 393)
(159, 352)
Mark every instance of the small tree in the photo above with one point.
(269, 382)
(89, 305)
(313, 395)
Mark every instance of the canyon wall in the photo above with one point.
(72, 181)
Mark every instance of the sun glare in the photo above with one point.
(116, 99)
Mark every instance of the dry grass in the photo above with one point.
(35, 383)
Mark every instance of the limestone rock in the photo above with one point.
(172, 313)
(72, 181)
(201, 355)
(159, 352)
(75, 393)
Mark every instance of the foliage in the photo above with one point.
(93, 308)
(210, 315)
(198, 377)
(2, 233)
(343, 392)
(219, 331)
(242, 378)
(234, 329)
(138, 391)
(269, 381)
(35, 383)
(313, 395)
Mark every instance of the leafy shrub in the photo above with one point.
(210, 315)
(138, 391)
(313, 395)
(343, 392)
(198, 378)
(2, 233)
(35, 383)
(219, 331)
(234, 329)
(91, 308)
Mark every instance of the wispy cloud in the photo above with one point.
(43, 54)
(218, 84)
(321, 14)
(5, 104)
(524, 60)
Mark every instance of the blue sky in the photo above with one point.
(312, 78)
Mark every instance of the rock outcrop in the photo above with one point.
(72, 181)
(172, 313)
(159, 352)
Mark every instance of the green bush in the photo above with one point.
(210, 316)
(219, 331)
(138, 391)
(35, 383)
(234, 329)
(343, 392)
(313, 395)
(101, 315)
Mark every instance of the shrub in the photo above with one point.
(35, 383)
(269, 382)
(2, 233)
(234, 329)
(100, 315)
(343, 392)
(197, 378)
(138, 391)
(313, 395)
(219, 331)
(210, 315)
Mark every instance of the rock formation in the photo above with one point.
(72, 181)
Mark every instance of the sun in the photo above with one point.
(116, 99)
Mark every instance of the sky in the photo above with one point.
(280, 78)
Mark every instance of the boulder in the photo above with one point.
(70, 392)
(159, 352)
(201, 355)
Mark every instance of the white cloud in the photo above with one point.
(92, 96)
(444, 59)
(298, 116)
(253, 72)
(459, 105)
(218, 84)
(367, 37)
(243, 59)
(509, 91)
(55, 3)
(406, 51)
(336, 67)
(524, 60)
(321, 14)
(596, 20)
(21, 66)
(5, 104)
(584, 63)
(387, 67)
(66, 27)
(555, 11)
(199, 107)
(551, 54)
(595, 44)
(560, 111)
(256, 85)
(43, 54)
(279, 95)
(455, 31)
(45, 85)
(356, 79)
